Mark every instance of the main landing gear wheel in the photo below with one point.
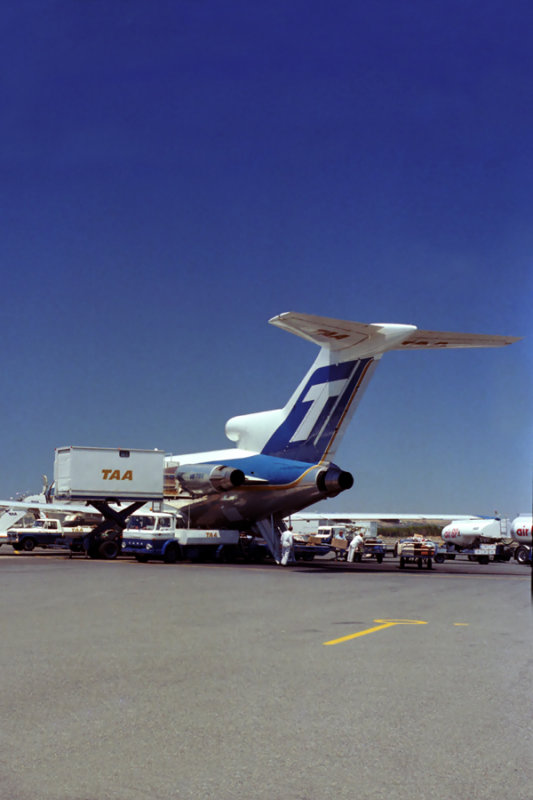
(402, 562)
(429, 564)
(419, 563)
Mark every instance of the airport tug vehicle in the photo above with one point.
(416, 550)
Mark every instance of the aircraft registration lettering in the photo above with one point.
(115, 475)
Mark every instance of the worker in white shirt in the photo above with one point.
(355, 546)
(287, 553)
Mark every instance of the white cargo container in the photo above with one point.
(108, 473)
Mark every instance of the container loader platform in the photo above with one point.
(114, 481)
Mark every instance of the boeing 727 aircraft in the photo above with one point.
(282, 461)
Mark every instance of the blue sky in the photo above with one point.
(176, 173)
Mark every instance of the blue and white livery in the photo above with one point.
(282, 459)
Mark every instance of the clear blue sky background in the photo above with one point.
(173, 174)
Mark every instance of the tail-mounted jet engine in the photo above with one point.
(333, 480)
(203, 478)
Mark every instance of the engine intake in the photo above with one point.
(208, 478)
(333, 480)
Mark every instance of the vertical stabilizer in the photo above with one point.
(310, 426)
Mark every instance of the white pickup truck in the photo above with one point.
(48, 533)
(161, 535)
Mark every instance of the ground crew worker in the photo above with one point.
(356, 545)
(340, 552)
(287, 553)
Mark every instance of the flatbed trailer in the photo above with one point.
(373, 547)
(306, 551)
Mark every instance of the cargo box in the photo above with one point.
(339, 544)
(106, 473)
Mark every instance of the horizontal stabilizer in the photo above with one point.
(376, 338)
(434, 339)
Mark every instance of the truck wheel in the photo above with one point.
(379, 557)
(439, 558)
(429, 564)
(171, 554)
(109, 549)
(522, 554)
(28, 544)
(483, 560)
(419, 563)
(402, 562)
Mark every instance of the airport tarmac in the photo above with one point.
(127, 681)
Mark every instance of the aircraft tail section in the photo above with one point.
(311, 424)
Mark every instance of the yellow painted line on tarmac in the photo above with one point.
(385, 623)
(459, 624)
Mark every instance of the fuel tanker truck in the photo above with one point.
(479, 539)
(521, 533)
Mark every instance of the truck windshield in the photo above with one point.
(163, 523)
(140, 523)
